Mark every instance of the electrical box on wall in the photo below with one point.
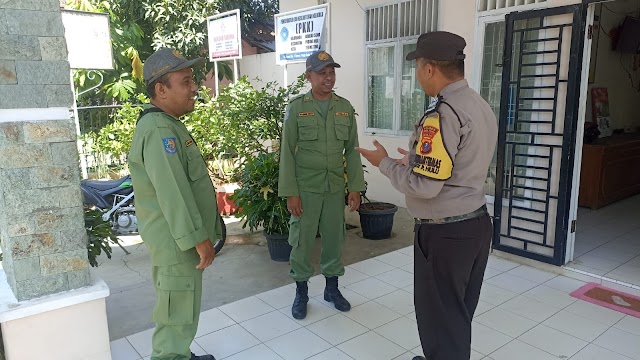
(628, 36)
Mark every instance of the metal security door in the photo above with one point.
(538, 114)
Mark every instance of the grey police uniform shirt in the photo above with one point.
(470, 142)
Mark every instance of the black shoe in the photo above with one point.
(332, 294)
(419, 358)
(299, 308)
(202, 357)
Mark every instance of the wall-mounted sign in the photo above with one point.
(88, 40)
(299, 33)
(225, 37)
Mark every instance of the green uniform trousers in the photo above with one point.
(177, 310)
(326, 212)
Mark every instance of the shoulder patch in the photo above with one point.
(170, 145)
(432, 158)
(189, 142)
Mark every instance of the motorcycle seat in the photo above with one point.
(102, 185)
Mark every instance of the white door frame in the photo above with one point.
(582, 111)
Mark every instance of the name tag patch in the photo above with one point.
(342, 114)
(306, 114)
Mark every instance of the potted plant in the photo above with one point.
(376, 218)
(260, 206)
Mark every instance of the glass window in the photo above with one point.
(412, 105)
(381, 73)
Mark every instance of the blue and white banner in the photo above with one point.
(299, 33)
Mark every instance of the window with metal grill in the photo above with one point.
(395, 101)
(489, 5)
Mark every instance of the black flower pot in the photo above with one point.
(279, 248)
(376, 220)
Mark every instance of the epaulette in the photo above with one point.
(299, 96)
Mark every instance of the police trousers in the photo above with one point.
(450, 260)
(326, 212)
(177, 310)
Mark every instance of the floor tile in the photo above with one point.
(578, 326)
(620, 256)
(371, 267)
(142, 342)
(227, 342)
(261, 352)
(297, 345)
(495, 295)
(395, 259)
(354, 298)
(403, 332)
(337, 329)
(512, 283)
(476, 355)
(483, 307)
(407, 250)
(399, 301)
(530, 308)
(620, 287)
(410, 268)
(372, 288)
(351, 276)
(505, 322)
(270, 326)
(398, 278)
(316, 311)
(521, 351)
(501, 264)
(596, 262)
(371, 346)
(629, 324)
(620, 342)
(550, 296)
(372, 315)
(486, 340)
(595, 312)
(331, 354)
(565, 284)
(213, 320)
(553, 341)
(121, 349)
(531, 274)
(587, 269)
(246, 309)
(594, 352)
(278, 298)
(406, 356)
(489, 273)
(410, 289)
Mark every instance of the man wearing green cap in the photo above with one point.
(319, 131)
(175, 203)
(442, 176)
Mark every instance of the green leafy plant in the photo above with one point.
(100, 235)
(258, 198)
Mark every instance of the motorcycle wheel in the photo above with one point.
(220, 242)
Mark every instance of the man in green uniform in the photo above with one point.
(175, 203)
(320, 131)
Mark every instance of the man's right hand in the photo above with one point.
(207, 254)
(294, 205)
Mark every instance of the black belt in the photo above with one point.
(452, 219)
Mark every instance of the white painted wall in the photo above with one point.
(623, 99)
(261, 68)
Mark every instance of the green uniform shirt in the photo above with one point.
(174, 197)
(313, 147)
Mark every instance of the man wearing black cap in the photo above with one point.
(442, 176)
(175, 203)
(319, 131)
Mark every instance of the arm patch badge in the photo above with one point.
(432, 158)
(169, 145)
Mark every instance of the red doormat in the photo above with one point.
(609, 298)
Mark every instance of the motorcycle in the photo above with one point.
(115, 198)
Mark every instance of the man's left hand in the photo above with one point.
(374, 156)
(354, 201)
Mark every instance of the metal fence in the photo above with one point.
(99, 164)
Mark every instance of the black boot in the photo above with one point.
(202, 357)
(332, 294)
(419, 358)
(299, 308)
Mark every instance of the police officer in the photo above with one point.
(319, 131)
(175, 203)
(442, 176)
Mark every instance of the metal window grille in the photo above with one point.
(402, 19)
(489, 5)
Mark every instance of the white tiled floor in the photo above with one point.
(608, 241)
(524, 314)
